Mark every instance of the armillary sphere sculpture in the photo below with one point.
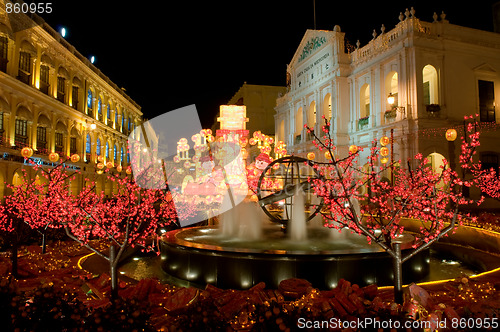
(284, 189)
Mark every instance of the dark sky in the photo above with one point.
(169, 54)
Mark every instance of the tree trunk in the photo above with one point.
(44, 246)
(14, 260)
(114, 273)
(398, 273)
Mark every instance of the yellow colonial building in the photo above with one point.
(53, 99)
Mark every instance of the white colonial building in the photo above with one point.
(437, 72)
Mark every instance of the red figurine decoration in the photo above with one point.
(255, 169)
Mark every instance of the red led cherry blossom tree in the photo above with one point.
(418, 194)
(128, 218)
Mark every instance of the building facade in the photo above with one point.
(53, 99)
(435, 71)
(260, 101)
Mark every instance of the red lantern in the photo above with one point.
(119, 168)
(353, 149)
(53, 157)
(311, 156)
(129, 170)
(109, 164)
(100, 165)
(27, 152)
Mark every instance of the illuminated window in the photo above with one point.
(74, 97)
(4, 43)
(107, 150)
(364, 101)
(114, 153)
(99, 109)
(98, 147)
(430, 85)
(89, 99)
(88, 144)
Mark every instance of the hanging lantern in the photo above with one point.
(27, 152)
(100, 165)
(385, 140)
(129, 170)
(187, 164)
(75, 157)
(384, 152)
(53, 157)
(99, 171)
(451, 135)
(384, 160)
(100, 158)
(311, 156)
(328, 155)
(109, 164)
(353, 149)
(119, 168)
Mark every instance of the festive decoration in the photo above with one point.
(384, 151)
(54, 157)
(385, 140)
(100, 166)
(451, 135)
(75, 157)
(417, 193)
(311, 156)
(109, 164)
(26, 152)
(119, 168)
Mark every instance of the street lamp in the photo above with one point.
(391, 99)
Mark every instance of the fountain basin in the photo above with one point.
(201, 255)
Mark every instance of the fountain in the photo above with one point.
(247, 249)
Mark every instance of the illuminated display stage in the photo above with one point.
(201, 255)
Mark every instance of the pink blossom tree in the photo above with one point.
(417, 193)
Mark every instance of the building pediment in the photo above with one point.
(313, 41)
(485, 69)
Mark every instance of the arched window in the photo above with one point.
(88, 144)
(391, 88)
(122, 156)
(430, 85)
(114, 153)
(364, 101)
(99, 109)
(116, 119)
(107, 150)
(311, 114)
(108, 114)
(98, 147)
(327, 107)
(298, 122)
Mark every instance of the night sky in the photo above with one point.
(170, 54)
